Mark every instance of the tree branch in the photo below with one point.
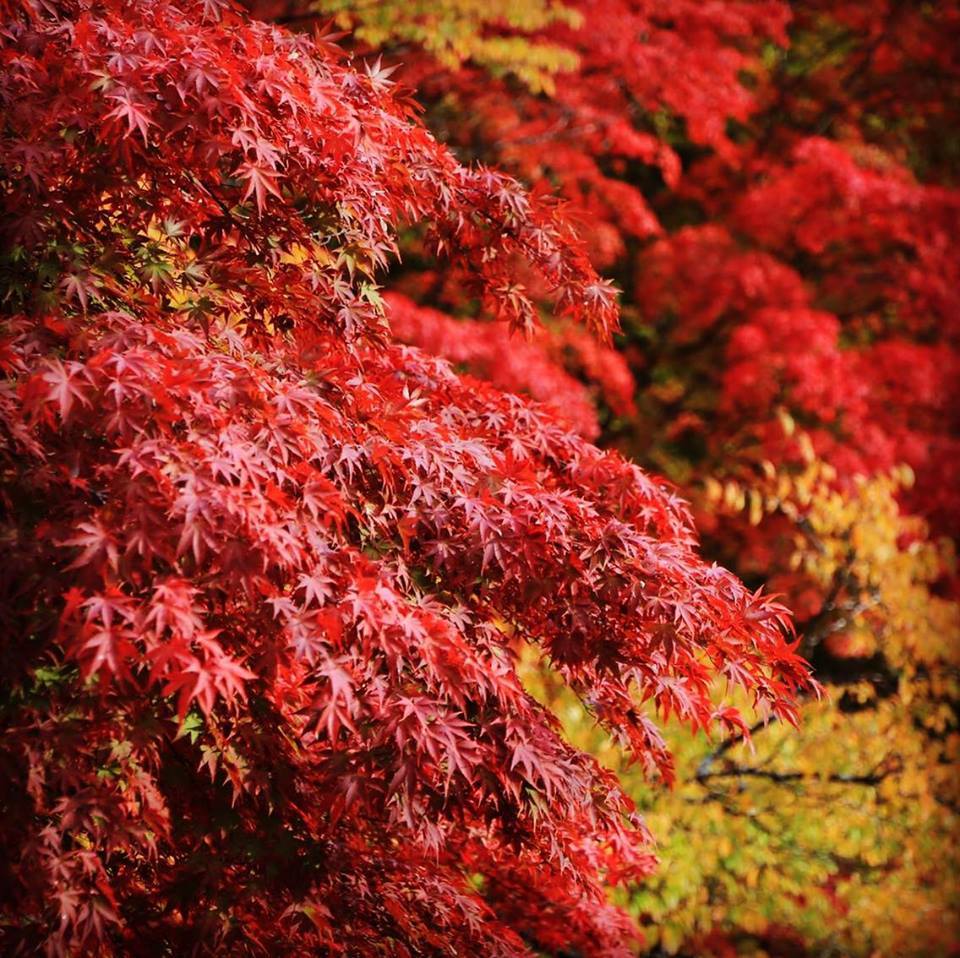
(744, 771)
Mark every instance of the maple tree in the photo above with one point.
(266, 571)
(773, 185)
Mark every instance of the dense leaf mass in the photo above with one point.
(265, 573)
(534, 368)
(774, 185)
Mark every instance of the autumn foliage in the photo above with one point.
(265, 571)
(774, 188)
(328, 629)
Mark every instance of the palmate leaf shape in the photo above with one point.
(265, 573)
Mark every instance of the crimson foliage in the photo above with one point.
(265, 572)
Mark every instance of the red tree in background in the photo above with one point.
(265, 572)
(749, 198)
(683, 122)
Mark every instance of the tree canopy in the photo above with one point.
(380, 415)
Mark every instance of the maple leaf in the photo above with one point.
(67, 383)
(132, 111)
(193, 683)
(172, 606)
(97, 542)
(262, 181)
(106, 647)
(380, 75)
(336, 707)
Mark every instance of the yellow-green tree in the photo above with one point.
(845, 831)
